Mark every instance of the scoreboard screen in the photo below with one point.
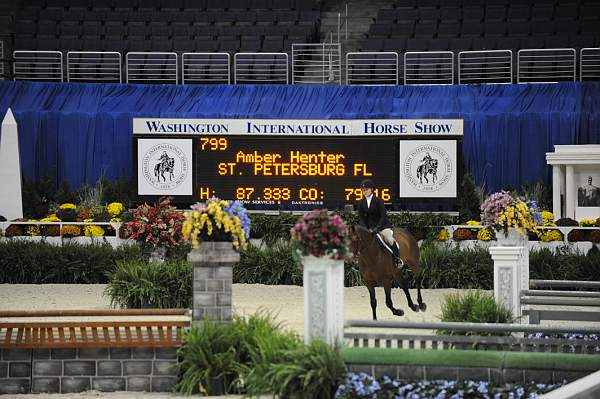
(293, 172)
(297, 172)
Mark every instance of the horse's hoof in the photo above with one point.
(399, 312)
(423, 306)
(415, 308)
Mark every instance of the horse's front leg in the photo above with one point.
(371, 289)
(388, 299)
(411, 304)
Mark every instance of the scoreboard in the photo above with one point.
(291, 172)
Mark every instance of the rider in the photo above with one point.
(164, 157)
(427, 158)
(373, 216)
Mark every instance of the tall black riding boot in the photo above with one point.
(396, 250)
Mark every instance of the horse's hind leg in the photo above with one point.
(411, 304)
(422, 305)
(373, 301)
(388, 300)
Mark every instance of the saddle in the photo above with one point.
(388, 248)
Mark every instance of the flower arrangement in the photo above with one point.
(502, 211)
(68, 205)
(91, 230)
(587, 223)
(115, 209)
(548, 218)
(442, 235)
(594, 236)
(67, 213)
(51, 230)
(70, 230)
(33, 230)
(551, 235)
(576, 235)
(473, 223)
(86, 213)
(217, 220)
(485, 235)
(321, 233)
(157, 225)
(462, 235)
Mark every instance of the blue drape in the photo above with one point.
(78, 132)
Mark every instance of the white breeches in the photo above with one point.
(388, 236)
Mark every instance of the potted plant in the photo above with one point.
(156, 227)
(321, 239)
(217, 230)
(512, 218)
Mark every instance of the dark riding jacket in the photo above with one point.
(373, 217)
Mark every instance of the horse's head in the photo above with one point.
(358, 238)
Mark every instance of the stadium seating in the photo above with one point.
(486, 25)
(165, 25)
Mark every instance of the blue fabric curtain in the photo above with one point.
(78, 132)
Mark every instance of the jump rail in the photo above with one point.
(91, 334)
(514, 342)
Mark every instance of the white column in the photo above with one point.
(11, 202)
(558, 178)
(571, 192)
(323, 300)
(508, 277)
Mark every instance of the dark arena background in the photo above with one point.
(518, 76)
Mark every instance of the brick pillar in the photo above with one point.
(213, 274)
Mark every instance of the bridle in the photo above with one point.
(366, 246)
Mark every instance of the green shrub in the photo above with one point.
(473, 307)
(213, 357)
(447, 266)
(314, 371)
(279, 266)
(27, 262)
(271, 266)
(272, 228)
(137, 283)
(468, 200)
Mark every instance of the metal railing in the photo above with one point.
(488, 66)
(429, 67)
(589, 64)
(586, 387)
(94, 66)
(149, 67)
(316, 63)
(546, 65)
(261, 68)
(515, 342)
(206, 68)
(342, 24)
(38, 65)
(372, 68)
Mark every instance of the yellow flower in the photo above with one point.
(67, 206)
(93, 231)
(551, 235)
(115, 209)
(442, 235)
(484, 235)
(34, 230)
(548, 218)
(587, 223)
(115, 220)
(88, 220)
(473, 223)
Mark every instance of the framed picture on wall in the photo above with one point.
(588, 192)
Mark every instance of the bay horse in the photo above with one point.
(376, 265)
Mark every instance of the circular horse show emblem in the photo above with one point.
(165, 166)
(428, 168)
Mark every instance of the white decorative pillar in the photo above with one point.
(323, 299)
(558, 178)
(508, 276)
(11, 202)
(571, 192)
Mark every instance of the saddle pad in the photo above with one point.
(383, 243)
